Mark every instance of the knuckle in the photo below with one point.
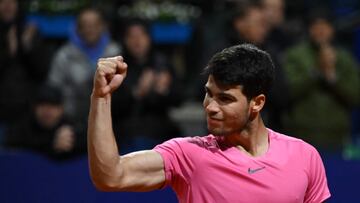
(99, 64)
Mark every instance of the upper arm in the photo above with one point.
(147, 170)
(140, 171)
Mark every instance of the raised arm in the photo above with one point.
(138, 171)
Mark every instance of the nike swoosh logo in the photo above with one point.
(251, 171)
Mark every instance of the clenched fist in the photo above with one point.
(109, 75)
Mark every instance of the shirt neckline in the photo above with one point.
(237, 152)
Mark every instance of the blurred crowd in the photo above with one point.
(45, 87)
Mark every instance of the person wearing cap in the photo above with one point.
(46, 130)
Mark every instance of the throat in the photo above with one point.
(253, 145)
(255, 151)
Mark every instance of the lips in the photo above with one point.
(214, 118)
(213, 121)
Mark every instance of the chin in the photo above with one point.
(218, 132)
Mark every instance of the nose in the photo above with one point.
(211, 106)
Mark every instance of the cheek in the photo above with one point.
(237, 117)
(235, 120)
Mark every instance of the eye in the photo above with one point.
(225, 99)
(208, 92)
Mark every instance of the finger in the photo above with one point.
(114, 59)
(104, 90)
(119, 58)
(116, 82)
(121, 67)
(108, 63)
(102, 59)
(117, 79)
(105, 70)
(110, 58)
(115, 63)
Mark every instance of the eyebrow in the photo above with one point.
(227, 95)
(207, 89)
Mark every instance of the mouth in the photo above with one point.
(213, 121)
(212, 117)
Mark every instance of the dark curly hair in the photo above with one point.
(244, 65)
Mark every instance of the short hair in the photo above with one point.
(137, 22)
(244, 65)
(319, 14)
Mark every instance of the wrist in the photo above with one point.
(96, 97)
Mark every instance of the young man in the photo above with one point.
(240, 161)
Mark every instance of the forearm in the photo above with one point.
(137, 171)
(102, 148)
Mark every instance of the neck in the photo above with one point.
(253, 139)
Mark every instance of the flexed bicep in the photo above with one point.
(138, 172)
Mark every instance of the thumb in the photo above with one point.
(116, 81)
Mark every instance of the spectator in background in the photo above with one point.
(324, 84)
(46, 130)
(74, 64)
(24, 62)
(279, 36)
(248, 24)
(150, 90)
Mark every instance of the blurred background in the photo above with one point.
(48, 55)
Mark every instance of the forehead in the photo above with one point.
(89, 16)
(216, 86)
(136, 30)
(320, 22)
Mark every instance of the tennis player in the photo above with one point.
(240, 160)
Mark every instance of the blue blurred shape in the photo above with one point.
(52, 26)
(171, 33)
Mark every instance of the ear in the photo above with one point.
(257, 103)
